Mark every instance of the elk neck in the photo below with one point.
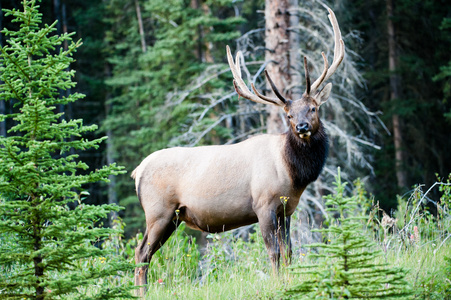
(305, 158)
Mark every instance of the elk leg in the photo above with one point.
(284, 239)
(156, 235)
(269, 227)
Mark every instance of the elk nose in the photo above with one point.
(302, 127)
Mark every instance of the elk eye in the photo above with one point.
(313, 109)
(290, 117)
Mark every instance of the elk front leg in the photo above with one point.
(284, 239)
(269, 228)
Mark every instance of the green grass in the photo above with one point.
(232, 268)
(249, 276)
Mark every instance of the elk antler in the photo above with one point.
(242, 89)
(339, 52)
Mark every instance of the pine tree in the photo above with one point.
(347, 262)
(47, 248)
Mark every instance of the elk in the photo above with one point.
(219, 188)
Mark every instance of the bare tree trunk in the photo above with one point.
(57, 12)
(277, 43)
(203, 52)
(296, 61)
(395, 95)
(141, 27)
(112, 195)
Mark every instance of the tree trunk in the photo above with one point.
(395, 95)
(296, 61)
(203, 51)
(141, 26)
(277, 43)
(112, 195)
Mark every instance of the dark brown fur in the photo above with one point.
(306, 158)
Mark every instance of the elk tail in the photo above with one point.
(134, 173)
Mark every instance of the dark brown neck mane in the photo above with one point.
(306, 158)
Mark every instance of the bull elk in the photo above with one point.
(219, 188)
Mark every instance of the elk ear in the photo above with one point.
(322, 96)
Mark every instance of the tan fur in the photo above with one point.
(221, 187)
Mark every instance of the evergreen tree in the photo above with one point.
(46, 246)
(347, 266)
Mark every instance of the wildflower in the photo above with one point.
(160, 281)
(102, 260)
(177, 211)
(284, 199)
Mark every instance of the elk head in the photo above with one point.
(301, 113)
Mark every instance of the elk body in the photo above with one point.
(218, 188)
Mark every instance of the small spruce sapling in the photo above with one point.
(40, 174)
(347, 265)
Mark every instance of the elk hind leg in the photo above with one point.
(157, 233)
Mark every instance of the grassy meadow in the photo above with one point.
(235, 265)
(416, 238)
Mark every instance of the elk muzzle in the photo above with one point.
(303, 130)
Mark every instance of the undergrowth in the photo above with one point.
(416, 238)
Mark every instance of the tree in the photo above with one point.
(278, 49)
(395, 95)
(41, 173)
(348, 266)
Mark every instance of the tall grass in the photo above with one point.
(417, 237)
(414, 238)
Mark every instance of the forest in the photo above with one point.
(88, 89)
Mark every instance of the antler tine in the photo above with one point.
(274, 88)
(339, 52)
(307, 77)
(241, 87)
(266, 98)
(320, 79)
(237, 62)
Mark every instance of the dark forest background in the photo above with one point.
(154, 74)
